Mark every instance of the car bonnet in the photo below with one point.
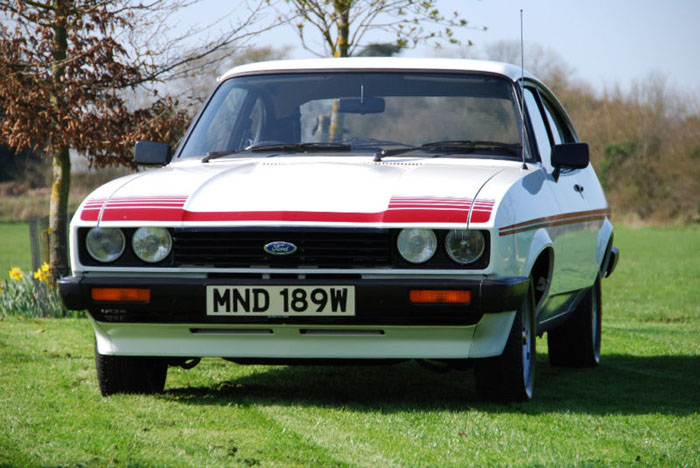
(302, 191)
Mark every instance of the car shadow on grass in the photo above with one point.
(622, 384)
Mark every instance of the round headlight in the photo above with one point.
(105, 244)
(417, 245)
(464, 246)
(152, 244)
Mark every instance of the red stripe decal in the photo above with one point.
(558, 220)
(400, 210)
(389, 216)
(89, 215)
(142, 214)
(134, 209)
(480, 216)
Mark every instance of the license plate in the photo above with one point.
(285, 301)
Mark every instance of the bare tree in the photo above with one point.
(193, 88)
(543, 62)
(343, 25)
(65, 67)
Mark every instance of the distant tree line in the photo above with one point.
(644, 140)
(645, 146)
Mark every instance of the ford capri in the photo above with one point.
(352, 211)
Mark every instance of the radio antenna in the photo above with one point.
(522, 91)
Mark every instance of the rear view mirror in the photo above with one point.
(569, 156)
(149, 153)
(368, 105)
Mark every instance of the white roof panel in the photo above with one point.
(380, 63)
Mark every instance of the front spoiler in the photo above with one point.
(240, 342)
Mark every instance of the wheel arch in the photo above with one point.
(604, 244)
(540, 265)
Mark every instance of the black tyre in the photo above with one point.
(511, 376)
(130, 374)
(576, 342)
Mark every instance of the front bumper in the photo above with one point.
(289, 342)
(378, 301)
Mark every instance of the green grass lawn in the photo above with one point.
(14, 247)
(641, 407)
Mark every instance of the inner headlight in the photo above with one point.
(464, 246)
(105, 244)
(152, 244)
(417, 245)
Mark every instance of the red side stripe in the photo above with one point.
(557, 220)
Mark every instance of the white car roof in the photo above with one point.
(380, 63)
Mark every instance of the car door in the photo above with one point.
(570, 230)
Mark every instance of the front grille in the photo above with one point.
(316, 248)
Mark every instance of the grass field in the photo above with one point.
(641, 407)
(14, 247)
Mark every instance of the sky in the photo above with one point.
(606, 42)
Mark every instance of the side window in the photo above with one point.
(556, 131)
(560, 132)
(544, 146)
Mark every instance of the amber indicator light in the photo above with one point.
(121, 294)
(439, 296)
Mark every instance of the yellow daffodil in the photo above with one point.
(41, 275)
(16, 274)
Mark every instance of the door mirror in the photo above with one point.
(569, 156)
(149, 153)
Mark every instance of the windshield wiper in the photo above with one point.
(287, 147)
(469, 146)
(454, 146)
(365, 143)
(307, 147)
(218, 154)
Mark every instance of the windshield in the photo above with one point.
(363, 111)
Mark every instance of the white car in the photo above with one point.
(348, 210)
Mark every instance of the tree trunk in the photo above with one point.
(342, 9)
(58, 214)
(58, 210)
(337, 121)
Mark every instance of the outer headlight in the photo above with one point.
(464, 246)
(152, 244)
(417, 245)
(105, 244)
